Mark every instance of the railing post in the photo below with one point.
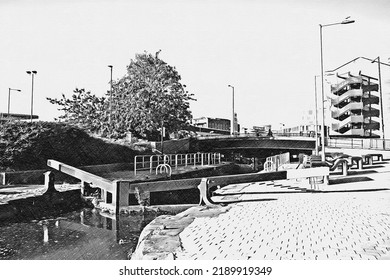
(135, 165)
(208, 157)
(151, 164)
(202, 159)
(186, 158)
(176, 161)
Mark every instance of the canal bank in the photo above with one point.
(36, 220)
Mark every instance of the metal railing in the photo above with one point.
(150, 162)
(274, 163)
(359, 143)
(310, 134)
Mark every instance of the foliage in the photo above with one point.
(25, 146)
(84, 109)
(149, 96)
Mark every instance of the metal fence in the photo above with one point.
(359, 143)
(274, 163)
(151, 162)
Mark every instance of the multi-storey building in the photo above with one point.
(355, 109)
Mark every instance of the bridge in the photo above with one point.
(247, 146)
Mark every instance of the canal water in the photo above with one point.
(87, 234)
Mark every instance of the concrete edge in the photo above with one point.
(159, 240)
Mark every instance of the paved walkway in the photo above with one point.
(349, 219)
(294, 226)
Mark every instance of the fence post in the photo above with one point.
(135, 165)
(151, 164)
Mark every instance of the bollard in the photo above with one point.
(204, 193)
(49, 182)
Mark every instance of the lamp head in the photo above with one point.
(347, 21)
(28, 72)
(110, 66)
(34, 72)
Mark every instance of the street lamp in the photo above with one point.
(315, 113)
(32, 73)
(9, 98)
(346, 21)
(316, 109)
(109, 117)
(380, 94)
(233, 122)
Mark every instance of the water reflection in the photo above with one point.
(87, 234)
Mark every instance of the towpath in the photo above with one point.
(281, 220)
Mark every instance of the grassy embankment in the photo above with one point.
(28, 146)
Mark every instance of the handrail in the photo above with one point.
(360, 143)
(145, 162)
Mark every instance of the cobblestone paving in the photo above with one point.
(295, 226)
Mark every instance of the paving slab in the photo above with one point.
(309, 226)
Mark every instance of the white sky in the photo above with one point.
(269, 50)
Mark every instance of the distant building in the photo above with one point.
(207, 125)
(261, 130)
(7, 117)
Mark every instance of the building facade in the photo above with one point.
(355, 107)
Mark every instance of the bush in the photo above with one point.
(27, 146)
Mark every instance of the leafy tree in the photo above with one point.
(149, 96)
(84, 109)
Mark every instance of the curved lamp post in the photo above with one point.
(32, 73)
(346, 21)
(9, 98)
(109, 117)
(233, 122)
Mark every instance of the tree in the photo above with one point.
(85, 110)
(149, 96)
